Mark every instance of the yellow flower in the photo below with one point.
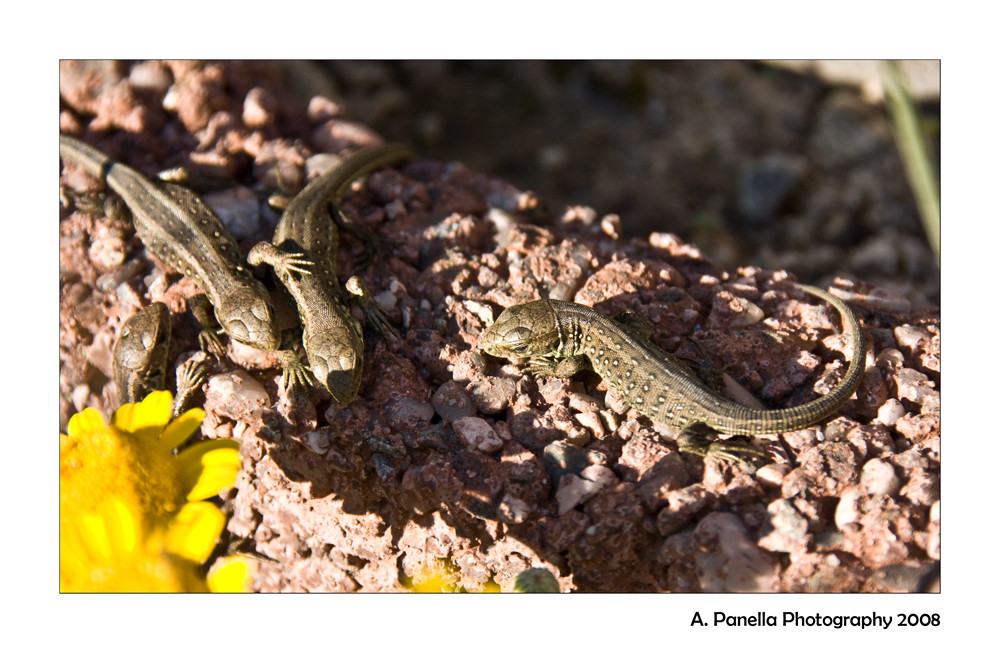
(111, 551)
(443, 576)
(232, 574)
(131, 515)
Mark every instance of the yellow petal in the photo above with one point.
(85, 423)
(94, 539)
(122, 526)
(213, 480)
(74, 563)
(181, 429)
(110, 533)
(208, 467)
(232, 574)
(146, 418)
(195, 530)
(429, 585)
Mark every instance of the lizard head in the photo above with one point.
(524, 330)
(335, 362)
(249, 319)
(140, 355)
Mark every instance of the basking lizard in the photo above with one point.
(176, 226)
(652, 380)
(331, 337)
(139, 359)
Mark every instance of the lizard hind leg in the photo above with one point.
(371, 250)
(361, 294)
(711, 375)
(636, 322)
(701, 440)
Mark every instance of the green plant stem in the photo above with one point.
(913, 151)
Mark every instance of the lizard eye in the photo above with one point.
(521, 348)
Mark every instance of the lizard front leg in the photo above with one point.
(208, 336)
(190, 375)
(284, 263)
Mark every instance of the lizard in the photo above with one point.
(561, 338)
(139, 360)
(331, 337)
(183, 232)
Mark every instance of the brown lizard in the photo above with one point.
(562, 337)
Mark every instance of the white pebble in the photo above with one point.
(879, 478)
(847, 510)
(477, 433)
(890, 412)
(574, 490)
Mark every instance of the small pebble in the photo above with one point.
(513, 510)
(482, 311)
(787, 527)
(847, 508)
(890, 412)
(107, 251)
(322, 109)
(452, 402)
(258, 108)
(316, 441)
(911, 337)
(404, 409)
(387, 300)
(734, 312)
(611, 225)
(922, 489)
(878, 477)
(151, 76)
(592, 420)
(772, 475)
(478, 434)
(574, 490)
(238, 209)
(728, 559)
(235, 395)
(913, 385)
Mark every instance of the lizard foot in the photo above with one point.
(208, 337)
(293, 373)
(284, 263)
(562, 368)
(699, 439)
(375, 315)
(190, 375)
(208, 340)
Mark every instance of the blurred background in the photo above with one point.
(795, 165)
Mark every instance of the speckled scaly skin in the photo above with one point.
(176, 226)
(652, 380)
(331, 337)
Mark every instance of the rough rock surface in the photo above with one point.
(451, 455)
